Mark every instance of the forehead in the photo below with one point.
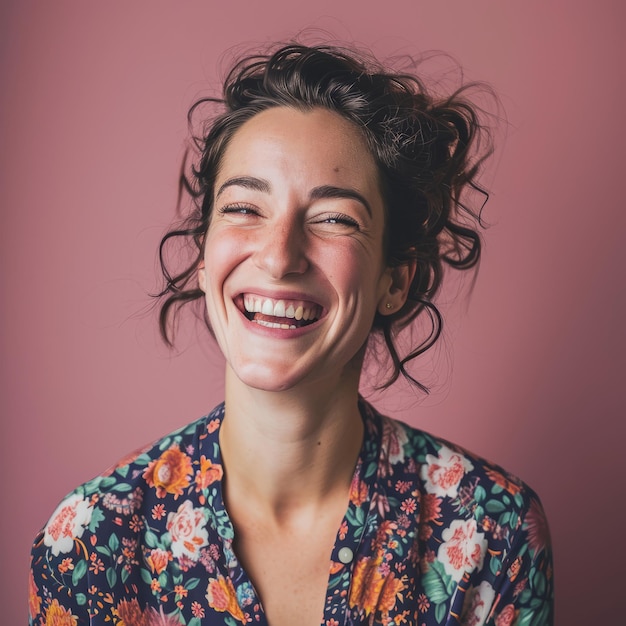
(318, 145)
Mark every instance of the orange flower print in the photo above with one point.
(130, 613)
(208, 473)
(66, 565)
(34, 601)
(372, 591)
(358, 491)
(222, 597)
(158, 559)
(508, 483)
(430, 507)
(158, 511)
(213, 425)
(56, 615)
(170, 473)
(506, 617)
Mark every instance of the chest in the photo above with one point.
(290, 573)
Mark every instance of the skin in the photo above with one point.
(298, 221)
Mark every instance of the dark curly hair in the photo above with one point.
(428, 151)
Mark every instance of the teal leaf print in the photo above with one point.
(192, 583)
(151, 539)
(142, 459)
(105, 483)
(145, 576)
(121, 487)
(122, 471)
(504, 518)
(194, 621)
(104, 550)
(495, 565)
(111, 577)
(371, 470)
(494, 506)
(539, 583)
(114, 542)
(97, 516)
(438, 585)
(80, 569)
(479, 494)
(440, 612)
(81, 599)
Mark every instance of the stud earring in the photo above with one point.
(389, 305)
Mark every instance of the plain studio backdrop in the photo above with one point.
(93, 100)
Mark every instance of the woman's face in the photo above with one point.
(293, 267)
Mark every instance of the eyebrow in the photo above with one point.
(329, 191)
(318, 193)
(249, 182)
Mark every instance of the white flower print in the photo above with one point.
(443, 473)
(68, 522)
(187, 531)
(463, 548)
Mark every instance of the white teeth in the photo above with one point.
(274, 325)
(279, 309)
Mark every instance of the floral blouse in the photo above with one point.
(432, 535)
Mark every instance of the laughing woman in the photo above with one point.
(327, 201)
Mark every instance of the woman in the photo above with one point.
(327, 201)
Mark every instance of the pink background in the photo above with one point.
(93, 100)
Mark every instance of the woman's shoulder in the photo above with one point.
(165, 466)
(448, 470)
(480, 528)
(98, 523)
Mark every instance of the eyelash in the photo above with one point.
(340, 218)
(244, 209)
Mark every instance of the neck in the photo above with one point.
(288, 451)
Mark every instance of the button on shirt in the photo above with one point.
(432, 535)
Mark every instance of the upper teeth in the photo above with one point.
(280, 308)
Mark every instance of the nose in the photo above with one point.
(282, 250)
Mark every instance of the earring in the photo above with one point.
(389, 305)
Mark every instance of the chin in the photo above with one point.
(266, 378)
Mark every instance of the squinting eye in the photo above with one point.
(238, 209)
(341, 219)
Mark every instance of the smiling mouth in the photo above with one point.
(283, 314)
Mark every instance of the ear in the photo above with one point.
(202, 276)
(398, 282)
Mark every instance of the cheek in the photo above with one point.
(222, 253)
